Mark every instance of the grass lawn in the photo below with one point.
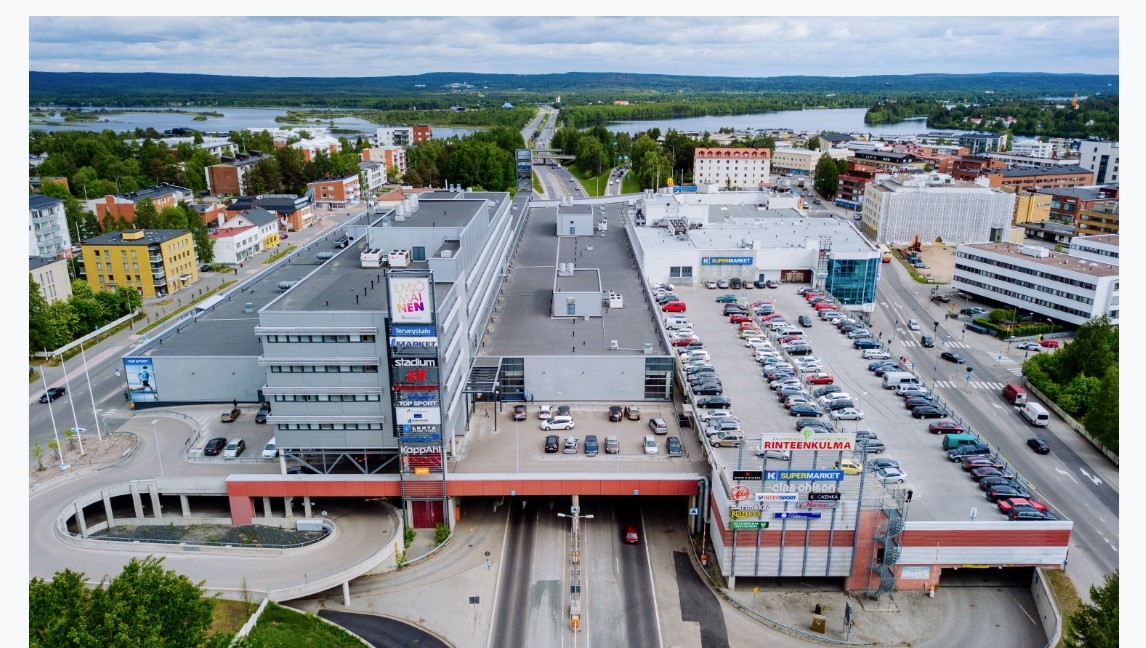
(1065, 595)
(594, 185)
(279, 626)
(229, 616)
(629, 185)
(536, 184)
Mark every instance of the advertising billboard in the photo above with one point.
(418, 415)
(808, 441)
(140, 374)
(727, 260)
(411, 299)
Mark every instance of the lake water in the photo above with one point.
(232, 119)
(841, 120)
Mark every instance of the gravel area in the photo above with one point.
(251, 535)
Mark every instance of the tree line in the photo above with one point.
(1095, 116)
(484, 161)
(51, 326)
(1082, 378)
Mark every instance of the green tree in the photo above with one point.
(1094, 348)
(827, 176)
(39, 322)
(1095, 624)
(89, 311)
(591, 155)
(1102, 421)
(813, 144)
(144, 605)
(146, 216)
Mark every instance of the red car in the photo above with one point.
(945, 427)
(1008, 503)
(674, 307)
(824, 305)
(738, 318)
(821, 379)
(1048, 344)
(631, 536)
(765, 318)
(684, 341)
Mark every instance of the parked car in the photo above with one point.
(230, 415)
(722, 284)
(996, 480)
(951, 356)
(942, 299)
(945, 427)
(849, 466)
(1005, 504)
(802, 409)
(271, 449)
(673, 446)
(612, 444)
(649, 444)
(955, 454)
(928, 411)
(214, 446)
(870, 445)
(821, 379)
(658, 426)
(632, 413)
(544, 412)
(1038, 445)
(865, 343)
(890, 476)
(727, 298)
(204, 267)
(980, 461)
(995, 493)
(674, 307)
(263, 413)
(234, 448)
(558, 423)
(814, 423)
(710, 284)
(551, 442)
(804, 321)
(52, 394)
(714, 402)
(911, 402)
(847, 414)
(519, 413)
(990, 471)
(570, 445)
(1020, 513)
(616, 413)
(824, 391)
(564, 410)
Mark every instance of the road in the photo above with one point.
(1075, 480)
(76, 408)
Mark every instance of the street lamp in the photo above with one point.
(158, 454)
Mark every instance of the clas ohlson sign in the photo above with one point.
(727, 260)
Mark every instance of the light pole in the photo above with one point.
(575, 565)
(158, 454)
(59, 448)
(99, 435)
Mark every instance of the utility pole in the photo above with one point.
(575, 565)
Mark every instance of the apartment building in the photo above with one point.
(122, 206)
(48, 227)
(888, 161)
(373, 174)
(335, 193)
(1039, 177)
(935, 207)
(1032, 148)
(1067, 204)
(1101, 248)
(1101, 158)
(310, 147)
(394, 157)
(294, 213)
(732, 167)
(1063, 287)
(155, 262)
(982, 142)
(51, 277)
(853, 182)
(1098, 220)
(227, 177)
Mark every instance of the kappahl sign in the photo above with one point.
(410, 300)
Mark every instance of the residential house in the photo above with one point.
(294, 213)
(310, 147)
(227, 177)
(155, 262)
(336, 193)
(1100, 157)
(51, 276)
(48, 227)
(982, 142)
(213, 214)
(245, 235)
(123, 205)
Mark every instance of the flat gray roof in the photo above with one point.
(774, 229)
(449, 212)
(532, 330)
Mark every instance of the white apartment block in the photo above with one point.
(1032, 148)
(799, 161)
(394, 157)
(374, 175)
(1102, 158)
(1100, 248)
(51, 276)
(394, 136)
(743, 168)
(1034, 280)
(934, 207)
(47, 227)
(325, 143)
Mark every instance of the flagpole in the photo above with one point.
(99, 435)
(59, 448)
(72, 403)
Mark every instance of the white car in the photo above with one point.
(913, 324)
(756, 342)
(827, 398)
(710, 284)
(811, 367)
(782, 455)
(649, 444)
(234, 448)
(1030, 346)
(847, 414)
(708, 414)
(876, 354)
(270, 450)
(558, 423)
(544, 412)
(890, 476)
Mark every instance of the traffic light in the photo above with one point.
(936, 325)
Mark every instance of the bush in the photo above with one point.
(408, 536)
(441, 533)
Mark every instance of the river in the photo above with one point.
(840, 120)
(233, 119)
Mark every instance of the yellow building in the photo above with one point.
(156, 262)
(1031, 208)
(1103, 219)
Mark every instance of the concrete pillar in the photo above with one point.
(453, 513)
(80, 522)
(185, 504)
(346, 593)
(107, 509)
(731, 582)
(153, 490)
(288, 504)
(267, 511)
(136, 501)
(306, 506)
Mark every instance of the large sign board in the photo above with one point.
(727, 260)
(140, 380)
(830, 442)
(804, 475)
(411, 299)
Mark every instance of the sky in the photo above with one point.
(708, 46)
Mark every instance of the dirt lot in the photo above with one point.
(96, 453)
(940, 258)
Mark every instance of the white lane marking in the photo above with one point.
(1093, 478)
(1063, 472)
(996, 406)
(652, 581)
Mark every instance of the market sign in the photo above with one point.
(804, 475)
(727, 260)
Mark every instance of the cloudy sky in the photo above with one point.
(716, 46)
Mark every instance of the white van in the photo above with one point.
(678, 324)
(1036, 414)
(675, 318)
(893, 379)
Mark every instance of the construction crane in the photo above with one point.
(1074, 102)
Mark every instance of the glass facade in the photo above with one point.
(512, 379)
(852, 281)
(658, 378)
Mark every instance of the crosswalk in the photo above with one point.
(974, 384)
(950, 344)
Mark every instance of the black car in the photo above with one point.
(734, 308)
(928, 411)
(955, 454)
(927, 341)
(215, 446)
(996, 480)
(942, 299)
(953, 357)
(828, 389)
(805, 410)
(616, 413)
(886, 367)
(1038, 445)
(674, 447)
(714, 402)
(205, 267)
(996, 492)
(551, 443)
(865, 343)
(519, 413)
(710, 389)
(591, 446)
(52, 394)
(261, 415)
(918, 401)
(1030, 513)
(839, 404)
(814, 423)
(760, 283)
